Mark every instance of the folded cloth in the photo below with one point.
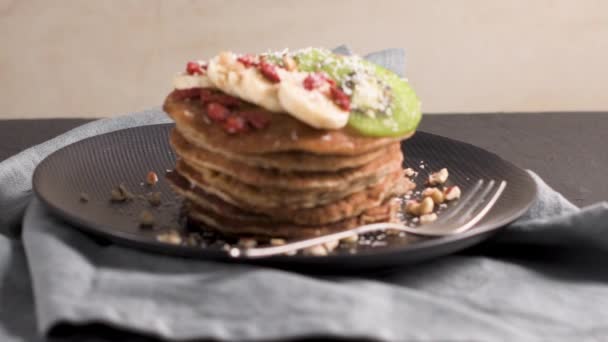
(541, 278)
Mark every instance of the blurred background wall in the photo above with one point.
(76, 58)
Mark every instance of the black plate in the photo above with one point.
(95, 165)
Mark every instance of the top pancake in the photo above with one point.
(283, 134)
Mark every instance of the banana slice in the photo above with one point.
(185, 81)
(233, 78)
(310, 106)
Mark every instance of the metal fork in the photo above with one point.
(468, 210)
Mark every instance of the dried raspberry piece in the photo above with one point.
(340, 98)
(235, 124)
(193, 68)
(209, 95)
(269, 71)
(315, 80)
(217, 112)
(180, 94)
(247, 60)
(256, 118)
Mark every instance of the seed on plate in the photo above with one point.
(173, 237)
(146, 219)
(84, 197)
(330, 246)
(277, 242)
(409, 172)
(152, 178)
(154, 198)
(318, 250)
(121, 194)
(247, 242)
(351, 239)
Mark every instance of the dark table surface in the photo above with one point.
(568, 150)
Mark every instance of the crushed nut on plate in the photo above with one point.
(151, 178)
(277, 242)
(84, 197)
(435, 194)
(146, 219)
(121, 194)
(154, 198)
(452, 193)
(172, 237)
(318, 250)
(351, 239)
(247, 242)
(439, 177)
(428, 218)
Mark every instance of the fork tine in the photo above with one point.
(484, 210)
(476, 202)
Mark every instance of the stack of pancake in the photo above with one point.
(287, 180)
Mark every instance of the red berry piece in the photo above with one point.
(191, 93)
(340, 98)
(256, 118)
(217, 112)
(209, 95)
(235, 124)
(270, 72)
(193, 68)
(247, 60)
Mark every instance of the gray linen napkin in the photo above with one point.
(542, 278)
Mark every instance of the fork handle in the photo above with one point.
(260, 252)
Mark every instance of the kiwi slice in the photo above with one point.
(403, 113)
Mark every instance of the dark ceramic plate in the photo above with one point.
(94, 166)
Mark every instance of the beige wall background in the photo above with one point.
(97, 58)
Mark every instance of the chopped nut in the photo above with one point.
(452, 193)
(194, 239)
(247, 242)
(412, 207)
(154, 198)
(318, 250)
(152, 178)
(428, 218)
(146, 219)
(409, 172)
(172, 237)
(290, 63)
(426, 206)
(117, 196)
(330, 246)
(439, 177)
(277, 242)
(84, 197)
(435, 194)
(120, 194)
(351, 239)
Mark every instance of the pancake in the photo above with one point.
(293, 161)
(352, 205)
(234, 190)
(234, 226)
(291, 180)
(283, 134)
